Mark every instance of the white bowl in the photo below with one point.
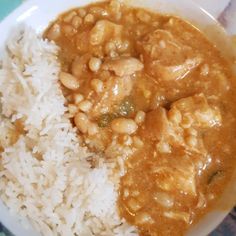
(38, 14)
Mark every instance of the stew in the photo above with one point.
(151, 90)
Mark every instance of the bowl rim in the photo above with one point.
(25, 12)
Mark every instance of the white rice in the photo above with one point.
(45, 176)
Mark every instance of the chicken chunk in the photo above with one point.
(166, 57)
(156, 126)
(161, 45)
(172, 178)
(114, 91)
(177, 127)
(198, 112)
(104, 30)
(123, 66)
(177, 72)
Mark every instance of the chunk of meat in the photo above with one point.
(104, 30)
(197, 110)
(172, 178)
(161, 127)
(161, 45)
(166, 57)
(171, 73)
(114, 91)
(156, 126)
(123, 65)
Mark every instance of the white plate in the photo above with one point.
(38, 14)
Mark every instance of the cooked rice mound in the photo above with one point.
(45, 174)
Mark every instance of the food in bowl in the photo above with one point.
(149, 96)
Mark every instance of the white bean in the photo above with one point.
(123, 46)
(89, 18)
(54, 32)
(69, 16)
(93, 129)
(126, 192)
(69, 98)
(85, 106)
(73, 109)
(143, 218)
(162, 44)
(76, 22)
(192, 141)
(95, 64)
(69, 81)
(109, 47)
(81, 122)
(97, 85)
(134, 205)
(140, 117)
(127, 140)
(78, 98)
(124, 126)
(163, 147)
(69, 30)
(113, 54)
(82, 12)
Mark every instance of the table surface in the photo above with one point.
(225, 12)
